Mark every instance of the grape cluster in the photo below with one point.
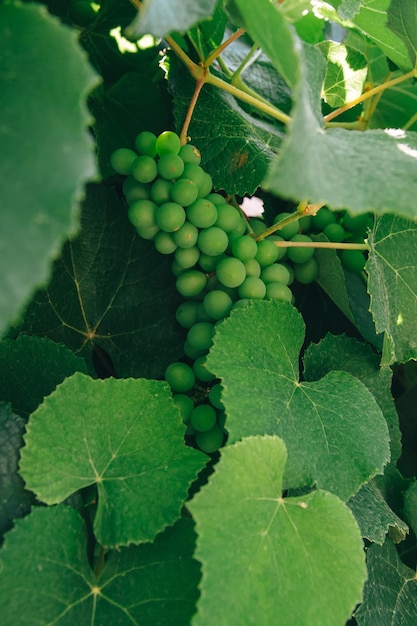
(217, 259)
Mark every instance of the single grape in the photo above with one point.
(228, 217)
(170, 216)
(258, 225)
(184, 404)
(212, 241)
(216, 198)
(164, 243)
(180, 377)
(334, 232)
(290, 229)
(170, 166)
(305, 224)
(122, 161)
(252, 288)
(276, 273)
(209, 263)
(161, 191)
(132, 190)
(145, 143)
(148, 233)
(202, 315)
(253, 268)
(205, 187)
(200, 370)
(356, 224)
(200, 336)
(323, 218)
(190, 154)
(244, 248)
(144, 169)
(282, 250)
(187, 257)
(307, 272)
(186, 313)
(300, 254)
(215, 397)
(211, 440)
(217, 304)
(176, 268)
(231, 272)
(186, 236)
(168, 142)
(142, 213)
(267, 253)
(278, 291)
(202, 213)
(203, 417)
(193, 172)
(191, 352)
(353, 260)
(184, 191)
(191, 283)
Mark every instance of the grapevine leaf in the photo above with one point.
(38, 215)
(349, 8)
(346, 354)
(110, 289)
(345, 73)
(318, 421)
(402, 20)
(15, 500)
(273, 550)
(127, 437)
(161, 17)
(410, 505)
(321, 164)
(390, 595)
(374, 516)
(148, 584)
(31, 368)
(237, 147)
(392, 285)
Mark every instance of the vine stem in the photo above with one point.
(190, 111)
(370, 94)
(322, 244)
(100, 562)
(304, 209)
(215, 53)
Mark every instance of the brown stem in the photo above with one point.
(213, 55)
(184, 132)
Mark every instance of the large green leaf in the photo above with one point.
(110, 290)
(45, 576)
(161, 17)
(321, 164)
(268, 559)
(127, 437)
(333, 428)
(392, 285)
(45, 151)
(402, 20)
(390, 596)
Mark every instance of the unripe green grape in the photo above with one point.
(231, 272)
(189, 430)
(184, 404)
(305, 223)
(203, 418)
(200, 336)
(211, 440)
(161, 191)
(205, 187)
(142, 213)
(253, 268)
(190, 154)
(145, 143)
(290, 229)
(217, 304)
(267, 253)
(176, 268)
(276, 273)
(290, 268)
(335, 232)
(252, 288)
(356, 224)
(209, 263)
(278, 291)
(202, 315)
(170, 216)
(186, 236)
(216, 198)
(215, 397)
(202, 213)
(168, 142)
(184, 191)
(228, 217)
(148, 233)
(200, 370)
(307, 272)
(180, 377)
(193, 172)
(282, 250)
(187, 257)
(191, 283)
(323, 218)
(170, 166)
(258, 226)
(191, 352)
(243, 302)
(212, 241)
(164, 243)
(300, 254)
(144, 169)
(132, 190)
(244, 248)
(213, 283)
(122, 160)
(186, 313)
(353, 260)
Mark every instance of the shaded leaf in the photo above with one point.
(38, 215)
(327, 443)
(161, 17)
(402, 20)
(127, 437)
(410, 505)
(147, 585)
(273, 550)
